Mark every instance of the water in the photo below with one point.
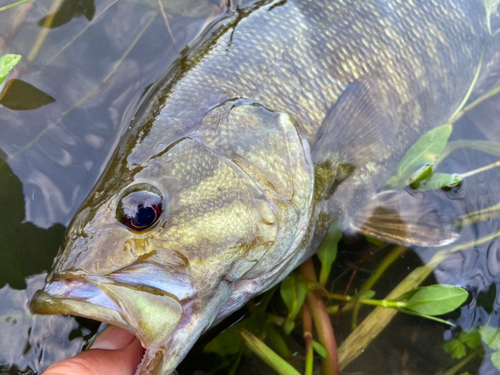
(97, 64)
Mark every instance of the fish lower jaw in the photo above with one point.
(68, 297)
(149, 313)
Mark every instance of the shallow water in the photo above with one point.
(97, 64)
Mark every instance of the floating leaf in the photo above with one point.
(437, 181)
(436, 299)
(293, 292)
(423, 152)
(7, 62)
(19, 95)
(320, 349)
(327, 251)
(491, 148)
(69, 9)
(263, 351)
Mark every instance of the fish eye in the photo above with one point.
(140, 207)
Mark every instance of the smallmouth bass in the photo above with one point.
(285, 116)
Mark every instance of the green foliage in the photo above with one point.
(293, 292)
(277, 363)
(320, 349)
(226, 343)
(423, 153)
(21, 96)
(437, 181)
(230, 343)
(68, 10)
(472, 339)
(458, 347)
(368, 294)
(435, 299)
(491, 337)
(375, 241)
(327, 251)
(7, 62)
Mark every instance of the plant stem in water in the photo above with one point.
(321, 321)
(307, 322)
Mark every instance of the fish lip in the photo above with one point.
(101, 298)
(77, 297)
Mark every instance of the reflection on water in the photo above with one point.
(30, 341)
(96, 63)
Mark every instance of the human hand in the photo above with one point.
(114, 352)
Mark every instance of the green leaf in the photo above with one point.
(293, 292)
(456, 348)
(430, 317)
(436, 299)
(422, 173)
(490, 336)
(375, 241)
(424, 152)
(407, 295)
(277, 341)
(20, 96)
(437, 181)
(265, 353)
(327, 251)
(495, 358)
(320, 349)
(472, 339)
(367, 295)
(7, 62)
(491, 148)
(226, 343)
(465, 373)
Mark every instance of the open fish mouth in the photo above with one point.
(149, 313)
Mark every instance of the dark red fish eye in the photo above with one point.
(144, 217)
(140, 207)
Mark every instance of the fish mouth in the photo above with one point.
(149, 313)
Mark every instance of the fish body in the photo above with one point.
(285, 116)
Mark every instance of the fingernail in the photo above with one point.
(113, 338)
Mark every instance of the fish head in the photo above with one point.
(158, 246)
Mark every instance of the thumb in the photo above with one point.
(115, 352)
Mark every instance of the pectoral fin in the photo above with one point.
(419, 219)
(355, 133)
